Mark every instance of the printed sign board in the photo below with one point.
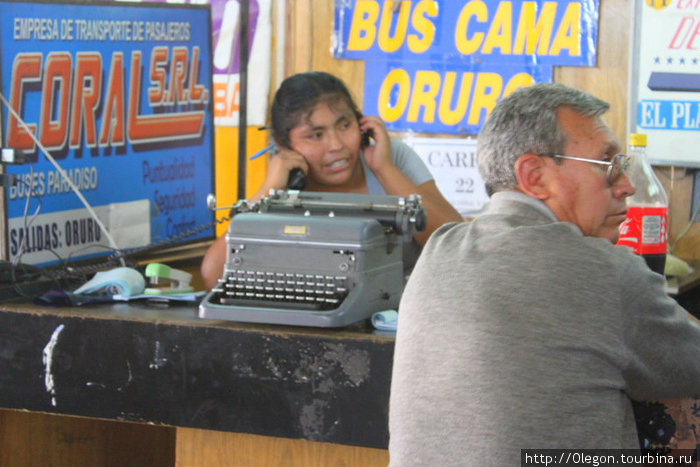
(439, 66)
(452, 161)
(226, 52)
(665, 94)
(442, 98)
(120, 95)
(226, 30)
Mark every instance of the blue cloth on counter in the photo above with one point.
(123, 281)
(171, 297)
(65, 298)
(385, 320)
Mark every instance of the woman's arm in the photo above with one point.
(213, 263)
(438, 210)
(379, 160)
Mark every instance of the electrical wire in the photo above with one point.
(14, 266)
(27, 222)
(64, 176)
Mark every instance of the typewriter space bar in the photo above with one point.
(276, 304)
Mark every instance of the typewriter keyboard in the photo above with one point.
(281, 290)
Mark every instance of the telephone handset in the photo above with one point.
(296, 180)
(366, 135)
(297, 177)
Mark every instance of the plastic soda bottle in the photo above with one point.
(645, 228)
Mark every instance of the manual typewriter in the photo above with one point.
(314, 259)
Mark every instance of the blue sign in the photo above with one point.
(439, 66)
(676, 115)
(442, 98)
(471, 32)
(120, 96)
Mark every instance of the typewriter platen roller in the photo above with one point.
(314, 259)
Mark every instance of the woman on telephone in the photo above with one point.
(318, 128)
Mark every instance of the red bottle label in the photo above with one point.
(645, 230)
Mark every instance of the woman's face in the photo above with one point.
(329, 139)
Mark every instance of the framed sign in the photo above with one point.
(452, 161)
(120, 96)
(665, 72)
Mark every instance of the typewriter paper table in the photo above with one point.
(271, 395)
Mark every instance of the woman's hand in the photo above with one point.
(278, 168)
(378, 155)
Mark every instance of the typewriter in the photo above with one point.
(314, 259)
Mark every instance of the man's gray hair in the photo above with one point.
(526, 121)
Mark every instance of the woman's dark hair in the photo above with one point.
(298, 95)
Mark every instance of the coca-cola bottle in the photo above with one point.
(645, 228)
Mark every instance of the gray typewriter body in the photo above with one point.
(317, 259)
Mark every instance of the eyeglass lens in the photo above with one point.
(617, 168)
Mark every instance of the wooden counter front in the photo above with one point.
(140, 385)
(305, 395)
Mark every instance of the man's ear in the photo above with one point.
(530, 172)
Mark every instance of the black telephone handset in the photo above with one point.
(366, 135)
(297, 179)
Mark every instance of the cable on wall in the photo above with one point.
(65, 177)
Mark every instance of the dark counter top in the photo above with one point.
(164, 365)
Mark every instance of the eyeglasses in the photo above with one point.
(616, 167)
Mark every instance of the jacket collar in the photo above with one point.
(506, 198)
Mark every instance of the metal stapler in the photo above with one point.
(176, 281)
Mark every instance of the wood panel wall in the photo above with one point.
(308, 44)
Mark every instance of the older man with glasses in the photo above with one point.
(527, 329)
